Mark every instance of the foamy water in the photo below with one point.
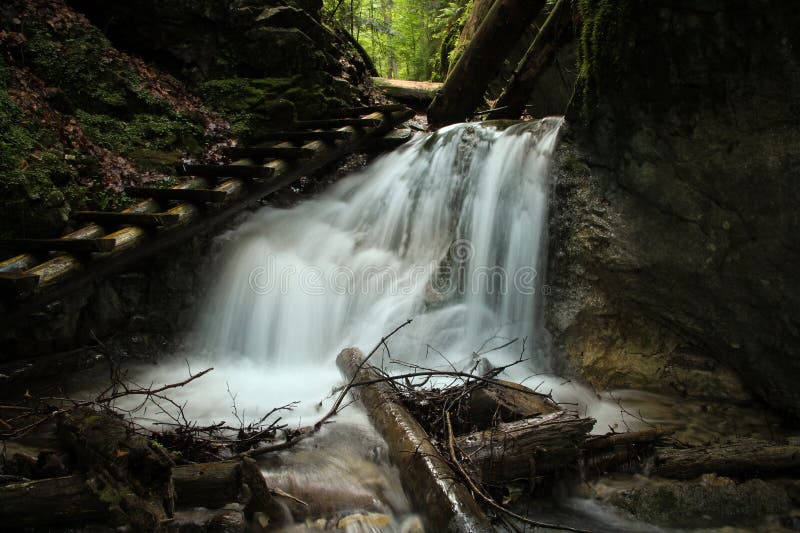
(449, 230)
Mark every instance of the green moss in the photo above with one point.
(604, 46)
(151, 141)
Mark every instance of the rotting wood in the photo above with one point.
(123, 468)
(72, 500)
(115, 218)
(211, 485)
(618, 451)
(49, 502)
(537, 58)
(59, 245)
(742, 458)
(466, 83)
(428, 479)
(527, 448)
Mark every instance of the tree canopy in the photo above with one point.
(406, 39)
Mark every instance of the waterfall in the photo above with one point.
(448, 230)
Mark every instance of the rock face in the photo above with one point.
(674, 231)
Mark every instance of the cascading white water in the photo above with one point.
(447, 230)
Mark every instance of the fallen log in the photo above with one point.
(505, 401)
(49, 502)
(525, 449)
(431, 484)
(215, 485)
(414, 93)
(537, 58)
(466, 84)
(123, 468)
(74, 500)
(742, 458)
(211, 485)
(618, 451)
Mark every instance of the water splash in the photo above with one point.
(448, 230)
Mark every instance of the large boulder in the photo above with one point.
(675, 216)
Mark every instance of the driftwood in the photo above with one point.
(526, 448)
(466, 84)
(430, 482)
(538, 57)
(743, 458)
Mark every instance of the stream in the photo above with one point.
(449, 230)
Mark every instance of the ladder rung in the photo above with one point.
(301, 136)
(16, 282)
(258, 152)
(338, 123)
(365, 110)
(59, 245)
(138, 219)
(227, 171)
(193, 196)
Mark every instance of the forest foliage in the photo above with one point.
(406, 39)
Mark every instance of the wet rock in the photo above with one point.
(674, 208)
(706, 503)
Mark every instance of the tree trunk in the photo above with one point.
(477, 14)
(540, 54)
(527, 448)
(465, 85)
(431, 484)
(741, 458)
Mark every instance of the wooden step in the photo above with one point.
(137, 219)
(264, 152)
(193, 196)
(366, 110)
(338, 123)
(227, 171)
(59, 245)
(302, 136)
(16, 282)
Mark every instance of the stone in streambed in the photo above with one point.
(709, 502)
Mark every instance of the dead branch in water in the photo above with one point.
(302, 433)
(488, 500)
